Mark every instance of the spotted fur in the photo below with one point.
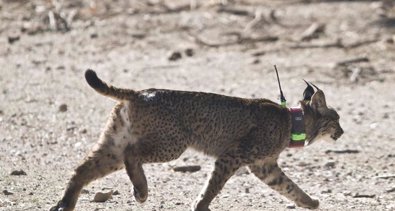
(157, 125)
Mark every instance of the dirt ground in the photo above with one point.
(50, 118)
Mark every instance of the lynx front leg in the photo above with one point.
(274, 177)
(225, 167)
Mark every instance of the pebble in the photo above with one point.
(7, 193)
(291, 206)
(390, 190)
(63, 108)
(330, 164)
(84, 191)
(94, 35)
(247, 190)
(18, 172)
(189, 52)
(12, 39)
(174, 56)
(102, 197)
(256, 61)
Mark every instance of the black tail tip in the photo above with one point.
(93, 80)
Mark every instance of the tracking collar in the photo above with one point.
(298, 134)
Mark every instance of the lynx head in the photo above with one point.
(321, 122)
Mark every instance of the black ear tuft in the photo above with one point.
(308, 92)
(315, 86)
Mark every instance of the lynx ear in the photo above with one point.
(308, 92)
(318, 101)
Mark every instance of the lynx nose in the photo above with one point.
(339, 133)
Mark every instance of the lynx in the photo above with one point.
(158, 125)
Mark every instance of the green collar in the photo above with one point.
(298, 134)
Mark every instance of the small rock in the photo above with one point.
(175, 56)
(60, 67)
(18, 173)
(84, 191)
(326, 191)
(291, 206)
(256, 61)
(139, 35)
(77, 145)
(389, 40)
(83, 131)
(189, 52)
(390, 190)
(330, 164)
(242, 171)
(102, 197)
(31, 27)
(187, 168)
(247, 190)
(373, 125)
(7, 193)
(1, 112)
(94, 35)
(116, 193)
(303, 164)
(63, 108)
(12, 39)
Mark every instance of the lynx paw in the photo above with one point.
(139, 196)
(311, 204)
(314, 204)
(201, 209)
(60, 206)
(198, 207)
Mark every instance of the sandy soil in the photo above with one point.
(50, 118)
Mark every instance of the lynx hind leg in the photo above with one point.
(99, 163)
(136, 174)
(150, 149)
(275, 178)
(225, 166)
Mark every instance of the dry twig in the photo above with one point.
(345, 151)
(336, 44)
(240, 40)
(313, 31)
(386, 176)
(352, 61)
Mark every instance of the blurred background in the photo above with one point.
(50, 118)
